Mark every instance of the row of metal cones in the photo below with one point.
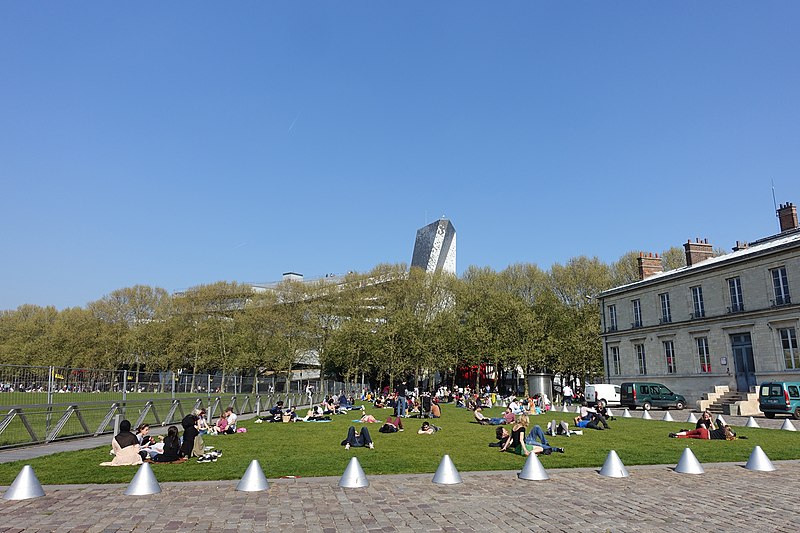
(26, 485)
(751, 422)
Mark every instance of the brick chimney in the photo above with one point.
(649, 265)
(787, 215)
(697, 251)
(740, 246)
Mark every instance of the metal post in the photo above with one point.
(172, 377)
(50, 385)
(124, 385)
(117, 420)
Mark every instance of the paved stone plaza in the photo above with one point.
(654, 498)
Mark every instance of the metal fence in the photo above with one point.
(45, 404)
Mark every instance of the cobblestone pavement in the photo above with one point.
(654, 498)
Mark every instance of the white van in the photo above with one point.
(602, 391)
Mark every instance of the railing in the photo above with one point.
(736, 308)
(41, 424)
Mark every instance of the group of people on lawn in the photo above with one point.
(132, 448)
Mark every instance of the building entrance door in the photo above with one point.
(745, 367)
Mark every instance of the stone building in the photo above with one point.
(730, 320)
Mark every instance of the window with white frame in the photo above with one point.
(612, 318)
(641, 359)
(615, 366)
(780, 283)
(669, 356)
(703, 356)
(735, 289)
(666, 312)
(789, 343)
(637, 313)
(697, 302)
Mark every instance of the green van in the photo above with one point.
(779, 398)
(648, 395)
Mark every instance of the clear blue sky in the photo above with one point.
(180, 143)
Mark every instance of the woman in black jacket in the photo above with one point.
(190, 433)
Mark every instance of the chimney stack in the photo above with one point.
(740, 246)
(697, 251)
(649, 265)
(787, 215)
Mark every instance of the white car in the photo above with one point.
(602, 391)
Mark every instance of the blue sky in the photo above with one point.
(179, 143)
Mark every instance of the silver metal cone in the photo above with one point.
(253, 479)
(692, 419)
(610, 414)
(25, 486)
(720, 421)
(688, 464)
(788, 426)
(533, 469)
(446, 474)
(759, 461)
(613, 466)
(667, 417)
(626, 414)
(354, 476)
(143, 483)
(564, 408)
(578, 410)
(751, 423)
(646, 416)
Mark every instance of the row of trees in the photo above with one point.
(380, 325)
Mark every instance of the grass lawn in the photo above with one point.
(313, 449)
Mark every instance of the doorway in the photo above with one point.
(745, 368)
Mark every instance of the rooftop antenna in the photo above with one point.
(774, 203)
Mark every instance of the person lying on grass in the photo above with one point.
(483, 419)
(357, 439)
(722, 433)
(428, 429)
(393, 424)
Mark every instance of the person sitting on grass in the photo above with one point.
(276, 413)
(172, 447)
(358, 439)
(393, 424)
(232, 419)
(515, 442)
(436, 411)
(602, 411)
(509, 416)
(484, 420)
(124, 447)
(705, 421)
(221, 426)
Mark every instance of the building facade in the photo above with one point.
(435, 247)
(728, 320)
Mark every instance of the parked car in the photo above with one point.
(602, 391)
(779, 398)
(647, 395)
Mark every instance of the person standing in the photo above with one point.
(402, 401)
(567, 390)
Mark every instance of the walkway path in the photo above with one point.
(653, 499)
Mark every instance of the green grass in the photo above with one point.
(313, 449)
